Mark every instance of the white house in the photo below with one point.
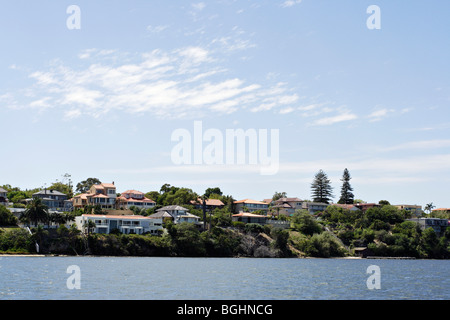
(178, 214)
(125, 224)
(3, 197)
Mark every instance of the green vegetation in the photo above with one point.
(385, 232)
(336, 232)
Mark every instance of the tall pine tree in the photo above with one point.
(347, 197)
(321, 188)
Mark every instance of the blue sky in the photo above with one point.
(104, 100)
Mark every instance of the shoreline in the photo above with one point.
(29, 255)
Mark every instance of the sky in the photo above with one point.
(101, 92)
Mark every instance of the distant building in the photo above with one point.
(248, 217)
(350, 207)
(125, 224)
(211, 204)
(441, 210)
(103, 194)
(177, 214)
(366, 206)
(3, 197)
(249, 205)
(53, 199)
(134, 198)
(286, 206)
(314, 207)
(438, 225)
(414, 209)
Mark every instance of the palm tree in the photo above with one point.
(89, 225)
(429, 207)
(36, 212)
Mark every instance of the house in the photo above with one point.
(439, 225)
(250, 205)
(286, 206)
(53, 199)
(366, 206)
(134, 198)
(177, 214)
(414, 209)
(350, 207)
(211, 204)
(103, 194)
(441, 210)
(314, 207)
(3, 197)
(125, 224)
(248, 217)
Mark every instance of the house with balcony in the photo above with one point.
(103, 194)
(314, 207)
(54, 200)
(249, 205)
(134, 198)
(286, 206)
(439, 225)
(124, 224)
(177, 214)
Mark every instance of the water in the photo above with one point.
(131, 278)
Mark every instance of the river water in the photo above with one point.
(152, 278)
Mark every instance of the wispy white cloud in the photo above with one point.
(167, 84)
(420, 145)
(343, 115)
(290, 3)
(380, 114)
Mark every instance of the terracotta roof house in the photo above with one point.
(286, 206)
(135, 198)
(250, 205)
(211, 204)
(103, 194)
(248, 217)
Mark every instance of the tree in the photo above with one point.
(63, 188)
(36, 212)
(429, 207)
(278, 195)
(305, 223)
(210, 191)
(6, 217)
(347, 196)
(321, 188)
(84, 186)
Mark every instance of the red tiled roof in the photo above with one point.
(250, 201)
(114, 216)
(248, 214)
(132, 192)
(209, 202)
